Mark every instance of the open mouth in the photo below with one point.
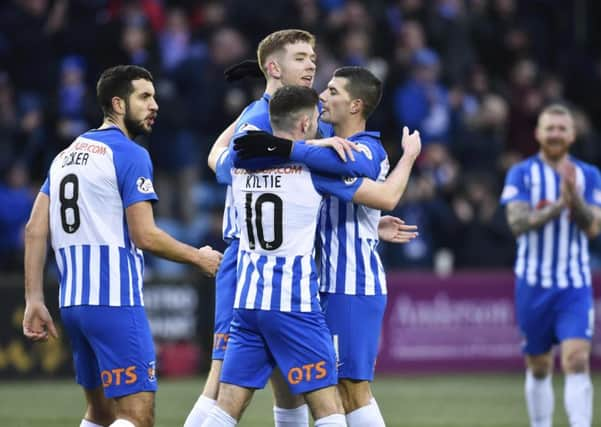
(308, 79)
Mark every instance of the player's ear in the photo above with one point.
(356, 105)
(273, 69)
(118, 105)
(305, 124)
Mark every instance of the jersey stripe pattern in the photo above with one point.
(90, 184)
(348, 234)
(556, 255)
(254, 117)
(277, 211)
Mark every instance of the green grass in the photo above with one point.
(432, 401)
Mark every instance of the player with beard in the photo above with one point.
(553, 207)
(95, 205)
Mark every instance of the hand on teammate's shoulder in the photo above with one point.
(209, 260)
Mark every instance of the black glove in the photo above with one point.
(247, 68)
(262, 144)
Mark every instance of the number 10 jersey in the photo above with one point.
(90, 184)
(277, 213)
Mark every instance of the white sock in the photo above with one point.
(366, 416)
(122, 423)
(334, 420)
(86, 423)
(539, 400)
(219, 418)
(199, 411)
(372, 401)
(578, 399)
(297, 417)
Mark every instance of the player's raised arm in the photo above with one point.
(386, 195)
(147, 236)
(37, 322)
(586, 215)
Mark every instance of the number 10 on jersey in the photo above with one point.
(255, 208)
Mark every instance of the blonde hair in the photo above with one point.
(278, 41)
(556, 109)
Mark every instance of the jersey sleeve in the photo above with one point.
(515, 186)
(325, 160)
(342, 187)
(134, 176)
(592, 190)
(46, 187)
(223, 171)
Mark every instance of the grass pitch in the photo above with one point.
(431, 401)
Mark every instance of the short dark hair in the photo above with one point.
(363, 85)
(116, 81)
(286, 104)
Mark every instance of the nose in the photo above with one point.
(322, 96)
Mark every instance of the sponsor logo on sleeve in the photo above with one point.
(509, 192)
(348, 180)
(144, 185)
(246, 127)
(365, 150)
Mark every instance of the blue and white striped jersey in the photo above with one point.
(90, 184)
(555, 255)
(254, 117)
(277, 211)
(348, 232)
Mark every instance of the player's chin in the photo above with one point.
(325, 117)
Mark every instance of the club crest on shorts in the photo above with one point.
(152, 371)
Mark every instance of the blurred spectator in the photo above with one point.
(482, 141)
(526, 101)
(30, 28)
(410, 39)
(174, 40)
(16, 200)
(422, 103)
(75, 106)
(482, 238)
(420, 205)
(449, 32)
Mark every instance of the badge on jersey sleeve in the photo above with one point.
(144, 185)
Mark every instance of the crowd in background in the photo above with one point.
(471, 75)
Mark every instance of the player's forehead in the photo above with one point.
(299, 48)
(338, 84)
(142, 86)
(547, 120)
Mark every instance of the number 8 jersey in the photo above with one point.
(89, 185)
(277, 212)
